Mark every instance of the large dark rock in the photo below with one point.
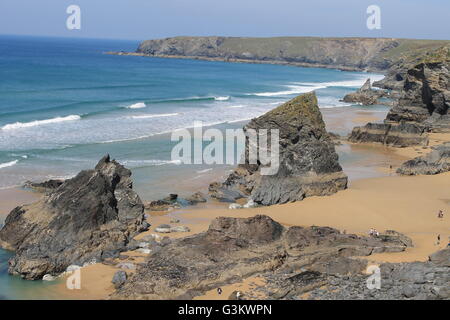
(412, 281)
(233, 249)
(308, 162)
(91, 216)
(426, 90)
(437, 161)
(423, 102)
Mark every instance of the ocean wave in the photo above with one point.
(225, 98)
(293, 89)
(151, 162)
(204, 171)
(354, 83)
(149, 116)
(138, 105)
(20, 125)
(8, 164)
(240, 120)
(237, 106)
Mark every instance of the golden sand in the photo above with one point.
(406, 204)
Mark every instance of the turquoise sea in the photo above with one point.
(64, 104)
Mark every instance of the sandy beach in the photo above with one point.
(407, 204)
(368, 203)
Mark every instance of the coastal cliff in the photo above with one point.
(363, 54)
(422, 106)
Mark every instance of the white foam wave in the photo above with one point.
(293, 89)
(138, 105)
(8, 164)
(204, 171)
(20, 125)
(149, 116)
(225, 98)
(237, 106)
(356, 83)
(152, 162)
(239, 120)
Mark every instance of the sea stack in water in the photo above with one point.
(92, 216)
(308, 163)
(365, 95)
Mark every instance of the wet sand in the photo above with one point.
(11, 198)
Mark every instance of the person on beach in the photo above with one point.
(219, 291)
(440, 214)
(373, 233)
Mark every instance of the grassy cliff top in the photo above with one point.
(345, 53)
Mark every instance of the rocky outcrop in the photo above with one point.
(423, 104)
(425, 97)
(92, 216)
(365, 95)
(233, 249)
(399, 281)
(308, 163)
(343, 53)
(392, 134)
(437, 161)
(196, 198)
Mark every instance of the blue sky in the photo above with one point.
(147, 19)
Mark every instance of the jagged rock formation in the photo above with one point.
(235, 248)
(91, 216)
(437, 161)
(342, 53)
(413, 281)
(308, 163)
(423, 104)
(397, 135)
(365, 95)
(425, 97)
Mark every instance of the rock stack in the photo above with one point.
(365, 95)
(308, 162)
(92, 216)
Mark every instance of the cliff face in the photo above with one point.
(423, 105)
(341, 53)
(426, 91)
(308, 163)
(91, 216)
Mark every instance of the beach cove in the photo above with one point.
(372, 199)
